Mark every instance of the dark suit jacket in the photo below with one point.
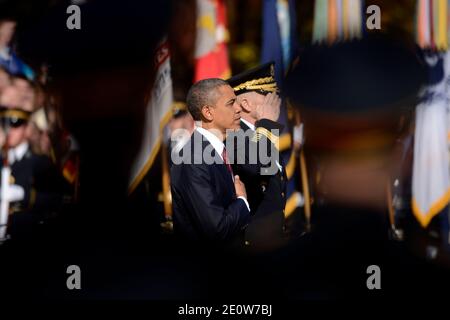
(205, 207)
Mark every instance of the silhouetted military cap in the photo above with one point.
(366, 75)
(260, 79)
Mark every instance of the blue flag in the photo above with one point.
(279, 44)
(279, 38)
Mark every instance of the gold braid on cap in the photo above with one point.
(266, 84)
(14, 113)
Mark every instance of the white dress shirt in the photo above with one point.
(212, 138)
(248, 124)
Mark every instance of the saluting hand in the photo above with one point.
(270, 108)
(240, 187)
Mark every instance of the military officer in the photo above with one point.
(256, 92)
(42, 186)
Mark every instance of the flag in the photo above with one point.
(431, 177)
(158, 113)
(279, 36)
(280, 45)
(336, 20)
(432, 24)
(211, 53)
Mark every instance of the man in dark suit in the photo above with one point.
(256, 92)
(209, 202)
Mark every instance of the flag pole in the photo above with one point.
(305, 186)
(395, 233)
(166, 184)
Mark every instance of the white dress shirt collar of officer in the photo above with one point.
(17, 153)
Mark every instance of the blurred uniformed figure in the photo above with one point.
(352, 97)
(181, 122)
(42, 185)
(257, 94)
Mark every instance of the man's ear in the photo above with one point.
(207, 113)
(245, 104)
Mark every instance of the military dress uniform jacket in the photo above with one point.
(205, 207)
(43, 193)
(265, 192)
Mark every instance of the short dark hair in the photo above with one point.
(203, 92)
